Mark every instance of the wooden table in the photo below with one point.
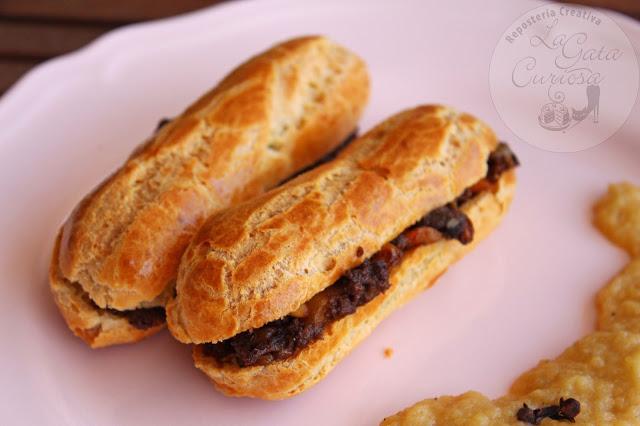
(32, 31)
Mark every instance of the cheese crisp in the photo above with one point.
(619, 302)
(617, 215)
(601, 370)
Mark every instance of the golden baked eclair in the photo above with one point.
(276, 290)
(116, 258)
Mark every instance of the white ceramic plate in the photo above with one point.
(524, 294)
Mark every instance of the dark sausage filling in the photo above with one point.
(285, 337)
(141, 318)
(328, 157)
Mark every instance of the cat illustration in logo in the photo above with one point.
(593, 104)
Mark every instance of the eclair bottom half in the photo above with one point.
(99, 327)
(417, 271)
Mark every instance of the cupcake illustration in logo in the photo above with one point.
(555, 115)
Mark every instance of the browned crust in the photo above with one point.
(274, 114)
(258, 261)
(97, 327)
(417, 272)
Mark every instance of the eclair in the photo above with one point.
(274, 291)
(116, 258)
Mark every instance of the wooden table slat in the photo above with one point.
(11, 70)
(628, 7)
(120, 11)
(42, 41)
